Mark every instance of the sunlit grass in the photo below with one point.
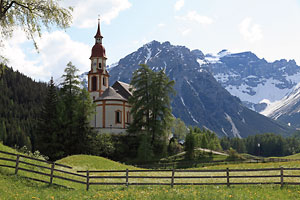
(16, 187)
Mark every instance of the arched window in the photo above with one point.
(118, 117)
(104, 81)
(94, 83)
(100, 66)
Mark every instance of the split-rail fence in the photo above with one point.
(171, 177)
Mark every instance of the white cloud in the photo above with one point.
(161, 25)
(56, 50)
(186, 32)
(178, 5)
(250, 31)
(195, 17)
(86, 12)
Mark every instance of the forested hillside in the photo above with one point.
(21, 99)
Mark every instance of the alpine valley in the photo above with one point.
(201, 98)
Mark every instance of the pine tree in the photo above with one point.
(75, 109)
(48, 126)
(189, 145)
(3, 134)
(151, 109)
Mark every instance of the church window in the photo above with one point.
(94, 83)
(128, 117)
(118, 117)
(104, 81)
(99, 65)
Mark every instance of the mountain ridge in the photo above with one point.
(200, 99)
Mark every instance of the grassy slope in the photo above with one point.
(14, 187)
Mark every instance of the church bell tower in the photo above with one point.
(98, 75)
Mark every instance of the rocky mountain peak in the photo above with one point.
(200, 99)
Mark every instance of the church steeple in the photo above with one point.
(98, 35)
(98, 75)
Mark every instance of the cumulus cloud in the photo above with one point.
(178, 5)
(86, 12)
(56, 50)
(250, 31)
(196, 17)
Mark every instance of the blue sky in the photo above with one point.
(269, 28)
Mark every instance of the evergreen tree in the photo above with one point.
(145, 152)
(2, 131)
(75, 108)
(48, 127)
(189, 146)
(151, 109)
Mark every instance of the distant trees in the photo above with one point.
(178, 129)
(151, 109)
(268, 144)
(21, 99)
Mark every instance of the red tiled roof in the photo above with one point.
(98, 51)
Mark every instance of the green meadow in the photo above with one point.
(17, 187)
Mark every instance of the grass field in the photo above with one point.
(16, 187)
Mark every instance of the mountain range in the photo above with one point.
(201, 98)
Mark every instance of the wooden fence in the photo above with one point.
(17, 161)
(189, 164)
(281, 176)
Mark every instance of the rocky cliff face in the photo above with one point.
(200, 100)
(255, 81)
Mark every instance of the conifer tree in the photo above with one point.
(151, 109)
(189, 145)
(2, 132)
(48, 126)
(75, 108)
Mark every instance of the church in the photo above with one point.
(112, 113)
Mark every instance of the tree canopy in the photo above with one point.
(151, 109)
(31, 15)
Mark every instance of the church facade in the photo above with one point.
(112, 113)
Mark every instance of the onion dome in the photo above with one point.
(98, 50)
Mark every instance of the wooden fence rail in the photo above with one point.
(51, 169)
(172, 177)
(189, 164)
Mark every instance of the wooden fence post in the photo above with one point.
(51, 173)
(172, 180)
(227, 174)
(17, 164)
(127, 178)
(281, 177)
(87, 180)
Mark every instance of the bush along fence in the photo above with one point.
(280, 176)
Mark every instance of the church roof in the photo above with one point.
(123, 89)
(98, 34)
(110, 94)
(98, 50)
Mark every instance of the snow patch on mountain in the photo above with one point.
(109, 67)
(278, 108)
(193, 118)
(148, 53)
(201, 62)
(266, 89)
(234, 130)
